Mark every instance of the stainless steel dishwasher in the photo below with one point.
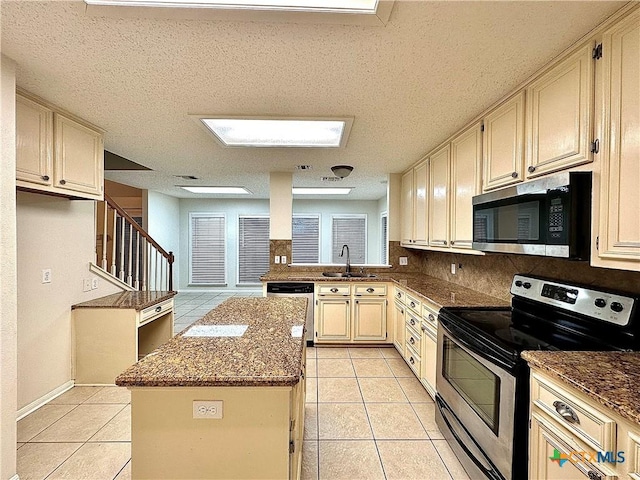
(296, 289)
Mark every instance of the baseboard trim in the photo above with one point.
(46, 398)
(93, 268)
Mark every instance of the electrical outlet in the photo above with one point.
(283, 259)
(276, 259)
(453, 269)
(46, 275)
(94, 283)
(404, 261)
(86, 284)
(207, 409)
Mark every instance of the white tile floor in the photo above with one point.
(366, 417)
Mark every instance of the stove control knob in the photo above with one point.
(518, 283)
(600, 302)
(616, 306)
(526, 285)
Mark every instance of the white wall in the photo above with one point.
(326, 208)
(232, 209)
(162, 217)
(8, 309)
(59, 234)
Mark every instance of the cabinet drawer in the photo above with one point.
(399, 295)
(413, 359)
(430, 315)
(370, 290)
(413, 322)
(414, 304)
(155, 311)
(413, 339)
(589, 424)
(339, 290)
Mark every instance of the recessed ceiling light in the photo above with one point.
(304, 167)
(232, 190)
(338, 6)
(321, 191)
(278, 132)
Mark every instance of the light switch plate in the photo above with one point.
(46, 275)
(211, 409)
(94, 283)
(276, 259)
(283, 259)
(404, 261)
(453, 269)
(86, 284)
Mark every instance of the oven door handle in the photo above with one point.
(471, 344)
(478, 457)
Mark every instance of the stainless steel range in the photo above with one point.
(483, 384)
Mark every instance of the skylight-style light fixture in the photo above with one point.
(336, 6)
(320, 191)
(230, 190)
(278, 132)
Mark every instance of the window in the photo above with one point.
(349, 230)
(384, 234)
(305, 239)
(253, 248)
(207, 249)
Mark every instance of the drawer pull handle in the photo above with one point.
(432, 318)
(399, 295)
(334, 290)
(412, 341)
(158, 309)
(531, 169)
(412, 360)
(413, 305)
(566, 412)
(423, 328)
(514, 175)
(45, 178)
(63, 182)
(370, 290)
(412, 321)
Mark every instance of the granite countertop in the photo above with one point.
(440, 292)
(610, 378)
(269, 353)
(135, 300)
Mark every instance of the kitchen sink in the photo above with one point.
(348, 275)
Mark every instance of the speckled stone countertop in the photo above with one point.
(135, 300)
(269, 353)
(610, 378)
(440, 292)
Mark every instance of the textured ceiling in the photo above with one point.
(408, 85)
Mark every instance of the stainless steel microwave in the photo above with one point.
(550, 216)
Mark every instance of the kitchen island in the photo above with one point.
(224, 399)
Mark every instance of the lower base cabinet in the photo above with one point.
(429, 356)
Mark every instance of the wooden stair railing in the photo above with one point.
(126, 251)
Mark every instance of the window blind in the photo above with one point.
(253, 248)
(384, 253)
(207, 265)
(305, 239)
(352, 231)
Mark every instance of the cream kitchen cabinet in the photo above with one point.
(429, 347)
(57, 153)
(351, 313)
(414, 205)
(560, 115)
(503, 144)
(617, 197)
(398, 327)
(438, 198)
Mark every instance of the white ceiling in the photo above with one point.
(408, 85)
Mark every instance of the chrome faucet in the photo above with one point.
(348, 271)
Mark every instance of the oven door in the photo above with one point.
(481, 395)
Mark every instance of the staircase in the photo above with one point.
(127, 253)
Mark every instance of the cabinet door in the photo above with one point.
(559, 112)
(429, 355)
(466, 158)
(547, 444)
(34, 141)
(79, 157)
(503, 144)
(406, 207)
(333, 320)
(370, 319)
(439, 198)
(619, 229)
(398, 327)
(420, 224)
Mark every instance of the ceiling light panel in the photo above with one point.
(229, 190)
(320, 191)
(272, 132)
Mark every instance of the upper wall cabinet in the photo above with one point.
(414, 205)
(618, 205)
(466, 164)
(559, 115)
(406, 207)
(503, 144)
(57, 154)
(439, 192)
